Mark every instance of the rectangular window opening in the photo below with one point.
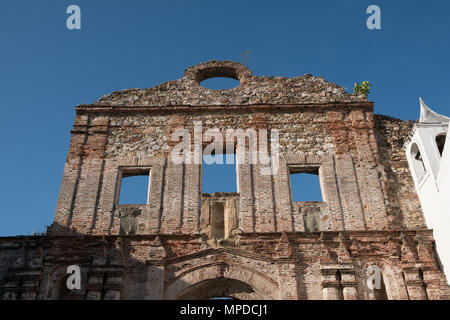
(219, 173)
(305, 185)
(135, 185)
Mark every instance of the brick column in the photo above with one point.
(432, 283)
(265, 216)
(349, 285)
(113, 285)
(173, 198)
(104, 284)
(246, 196)
(287, 270)
(94, 285)
(86, 201)
(366, 172)
(154, 283)
(71, 175)
(414, 284)
(155, 280)
(331, 196)
(354, 218)
(108, 199)
(348, 280)
(21, 286)
(430, 274)
(283, 198)
(157, 189)
(330, 284)
(412, 273)
(192, 199)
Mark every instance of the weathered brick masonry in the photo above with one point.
(271, 247)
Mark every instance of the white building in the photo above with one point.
(428, 153)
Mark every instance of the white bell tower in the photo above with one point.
(428, 153)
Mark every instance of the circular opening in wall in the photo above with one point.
(220, 83)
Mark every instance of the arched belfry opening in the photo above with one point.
(222, 288)
(440, 142)
(417, 160)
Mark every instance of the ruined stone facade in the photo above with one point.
(253, 244)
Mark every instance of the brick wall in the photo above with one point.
(370, 214)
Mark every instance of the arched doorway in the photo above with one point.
(220, 288)
(240, 282)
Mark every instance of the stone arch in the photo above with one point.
(214, 69)
(263, 286)
(55, 278)
(389, 277)
(220, 288)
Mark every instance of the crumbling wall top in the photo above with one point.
(253, 90)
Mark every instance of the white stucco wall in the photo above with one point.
(443, 223)
(434, 186)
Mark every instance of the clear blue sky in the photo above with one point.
(45, 69)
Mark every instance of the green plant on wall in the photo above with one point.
(363, 88)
